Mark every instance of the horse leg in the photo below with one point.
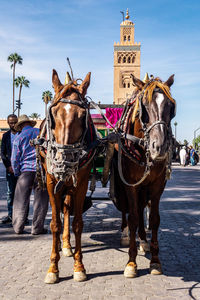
(52, 275)
(155, 265)
(144, 245)
(77, 225)
(148, 209)
(131, 267)
(124, 241)
(66, 249)
(79, 270)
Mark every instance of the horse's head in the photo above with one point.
(67, 126)
(157, 108)
(68, 110)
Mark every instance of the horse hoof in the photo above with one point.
(125, 241)
(52, 277)
(155, 269)
(144, 246)
(80, 276)
(67, 252)
(130, 270)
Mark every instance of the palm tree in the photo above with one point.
(46, 97)
(20, 82)
(34, 116)
(14, 58)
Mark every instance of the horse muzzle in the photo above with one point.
(158, 151)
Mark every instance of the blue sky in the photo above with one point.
(44, 33)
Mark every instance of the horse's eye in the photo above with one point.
(145, 115)
(172, 112)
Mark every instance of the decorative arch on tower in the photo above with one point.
(126, 57)
(125, 79)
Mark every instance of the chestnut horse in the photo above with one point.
(142, 163)
(66, 157)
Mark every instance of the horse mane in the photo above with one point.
(66, 89)
(148, 92)
(157, 83)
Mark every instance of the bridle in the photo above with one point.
(68, 166)
(65, 168)
(146, 129)
(143, 142)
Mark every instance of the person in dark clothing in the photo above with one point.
(6, 150)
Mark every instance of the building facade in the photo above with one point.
(126, 61)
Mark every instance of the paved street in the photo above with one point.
(25, 258)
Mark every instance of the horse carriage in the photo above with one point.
(137, 160)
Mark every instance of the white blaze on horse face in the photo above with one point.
(159, 100)
(67, 108)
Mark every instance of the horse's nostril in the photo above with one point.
(157, 148)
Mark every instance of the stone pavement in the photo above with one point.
(24, 259)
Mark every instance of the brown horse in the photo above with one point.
(64, 145)
(141, 163)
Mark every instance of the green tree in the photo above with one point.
(20, 82)
(196, 142)
(14, 58)
(46, 97)
(34, 116)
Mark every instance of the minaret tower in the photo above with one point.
(126, 61)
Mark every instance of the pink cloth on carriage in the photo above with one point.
(113, 115)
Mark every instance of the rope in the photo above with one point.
(146, 171)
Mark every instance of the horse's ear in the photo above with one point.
(170, 81)
(85, 84)
(137, 82)
(57, 85)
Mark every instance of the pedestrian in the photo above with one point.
(23, 161)
(183, 155)
(6, 150)
(192, 156)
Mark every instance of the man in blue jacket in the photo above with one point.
(23, 162)
(6, 150)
